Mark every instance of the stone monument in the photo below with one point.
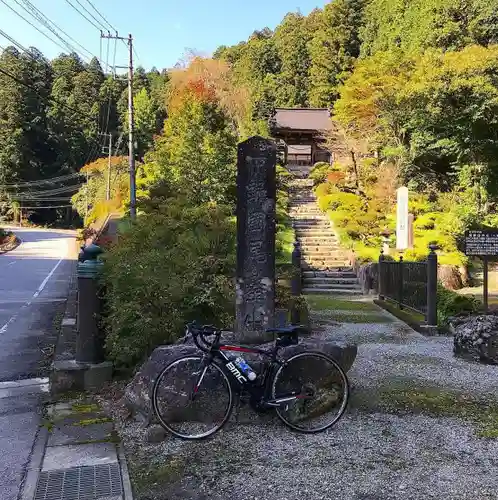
(256, 195)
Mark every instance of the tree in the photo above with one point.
(196, 152)
(421, 24)
(291, 40)
(145, 121)
(333, 49)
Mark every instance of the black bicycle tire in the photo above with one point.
(346, 390)
(169, 428)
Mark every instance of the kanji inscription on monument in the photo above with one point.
(481, 243)
(256, 192)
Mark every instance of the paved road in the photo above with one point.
(34, 281)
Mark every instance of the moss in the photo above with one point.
(440, 402)
(156, 475)
(84, 408)
(324, 303)
(92, 421)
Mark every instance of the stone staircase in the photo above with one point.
(326, 267)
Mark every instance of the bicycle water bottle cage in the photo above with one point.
(288, 335)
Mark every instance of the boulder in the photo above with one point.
(450, 277)
(139, 391)
(368, 277)
(476, 337)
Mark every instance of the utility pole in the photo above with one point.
(131, 144)
(109, 155)
(108, 190)
(131, 123)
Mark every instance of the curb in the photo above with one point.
(28, 489)
(125, 476)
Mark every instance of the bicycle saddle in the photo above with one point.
(287, 335)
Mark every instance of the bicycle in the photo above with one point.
(189, 388)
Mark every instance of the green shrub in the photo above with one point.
(173, 266)
(450, 304)
(319, 172)
(426, 221)
(324, 189)
(344, 201)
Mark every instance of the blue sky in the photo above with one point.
(162, 29)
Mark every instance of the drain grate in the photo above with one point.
(96, 482)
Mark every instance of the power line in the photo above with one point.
(36, 14)
(16, 43)
(50, 206)
(31, 24)
(33, 198)
(53, 180)
(50, 192)
(47, 22)
(97, 11)
(85, 17)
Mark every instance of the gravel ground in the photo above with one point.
(373, 453)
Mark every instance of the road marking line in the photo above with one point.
(11, 320)
(40, 289)
(10, 384)
(45, 281)
(10, 263)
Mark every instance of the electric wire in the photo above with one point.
(101, 15)
(53, 27)
(31, 24)
(98, 26)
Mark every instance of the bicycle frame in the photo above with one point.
(241, 383)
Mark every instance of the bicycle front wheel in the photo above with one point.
(321, 388)
(192, 399)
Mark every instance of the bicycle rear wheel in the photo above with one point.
(192, 399)
(323, 390)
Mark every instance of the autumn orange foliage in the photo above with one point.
(101, 164)
(209, 80)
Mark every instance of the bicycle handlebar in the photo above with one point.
(200, 334)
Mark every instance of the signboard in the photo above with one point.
(482, 243)
(402, 226)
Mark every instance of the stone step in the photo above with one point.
(327, 239)
(340, 272)
(322, 247)
(324, 264)
(314, 232)
(331, 291)
(327, 286)
(308, 222)
(322, 254)
(330, 282)
(323, 269)
(302, 207)
(307, 214)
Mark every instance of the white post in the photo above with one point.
(402, 226)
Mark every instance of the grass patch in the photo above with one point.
(324, 303)
(440, 402)
(357, 318)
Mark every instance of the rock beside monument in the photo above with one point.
(139, 391)
(476, 337)
(368, 277)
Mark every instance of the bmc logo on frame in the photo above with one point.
(236, 372)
